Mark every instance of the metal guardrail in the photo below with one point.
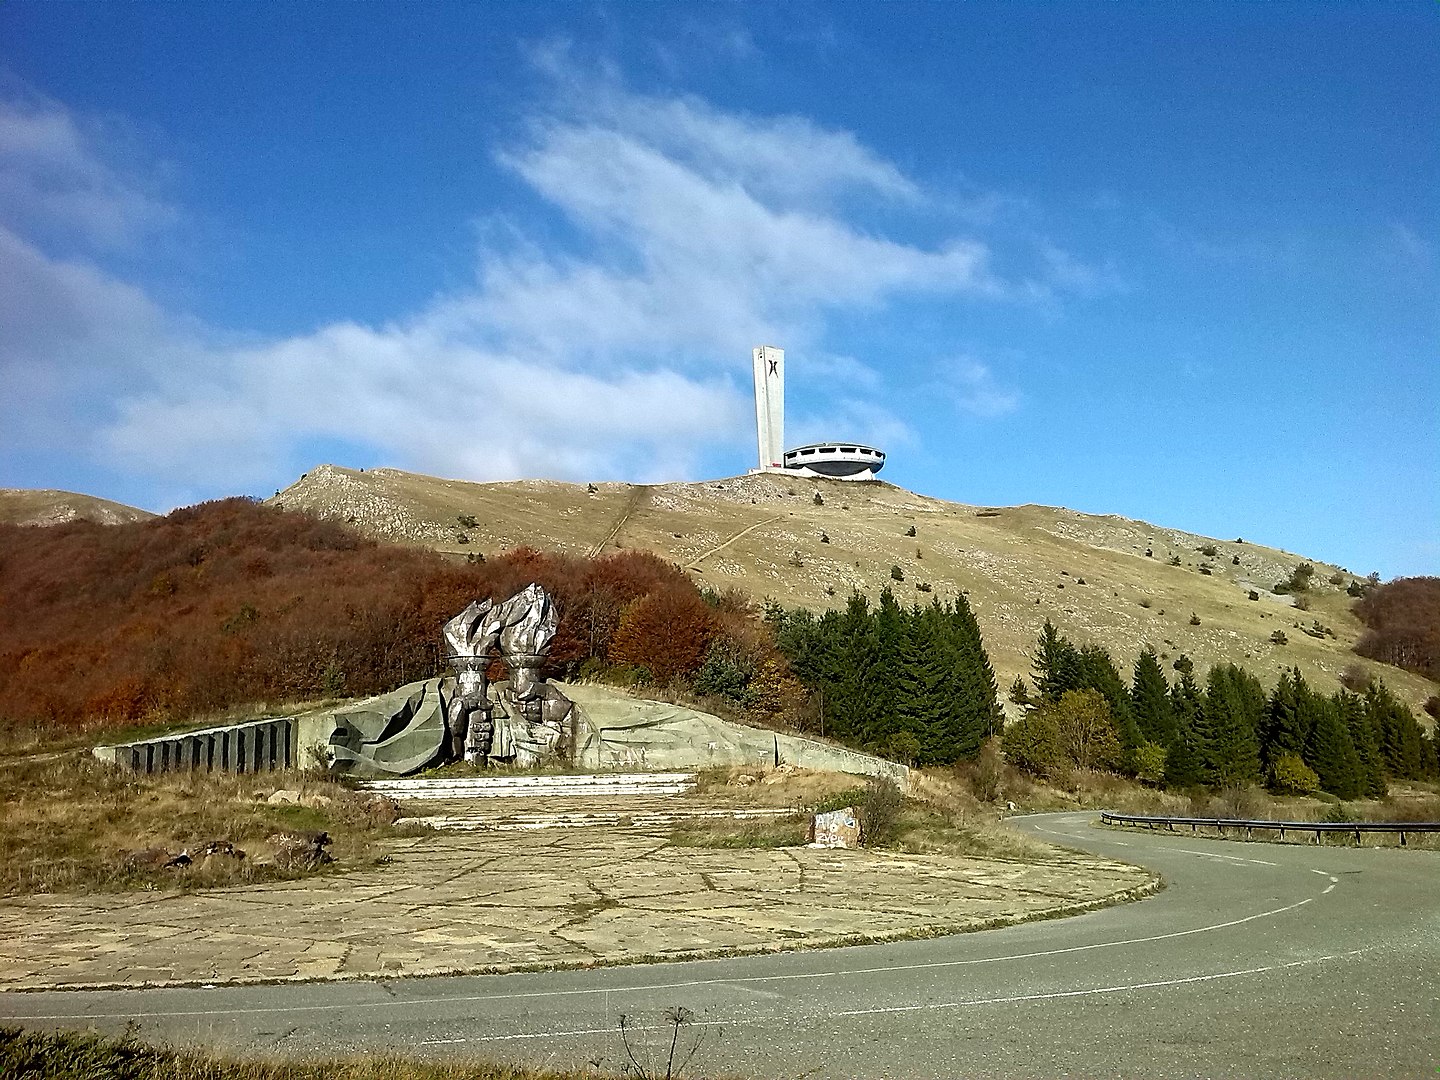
(1250, 825)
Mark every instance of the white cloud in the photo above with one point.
(973, 388)
(54, 175)
(701, 233)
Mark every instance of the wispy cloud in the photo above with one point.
(700, 232)
(54, 175)
(974, 389)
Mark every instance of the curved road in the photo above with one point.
(1258, 960)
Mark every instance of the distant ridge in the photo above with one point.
(24, 506)
(767, 536)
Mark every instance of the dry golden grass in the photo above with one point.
(1018, 565)
(786, 786)
(71, 824)
(66, 1056)
(941, 816)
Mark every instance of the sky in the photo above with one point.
(1177, 262)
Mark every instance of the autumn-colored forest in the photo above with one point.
(1403, 621)
(230, 603)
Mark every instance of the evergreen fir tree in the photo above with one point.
(1230, 751)
(1055, 664)
(1284, 730)
(1330, 753)
(1402, 742)
(1150, 700)
(925, 700)
(1097, 672)
(1367, 746)
(979, 693)
(1184, 763)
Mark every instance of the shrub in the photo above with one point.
(818, 500)
(1302, 603)
(1355, 677)
(467, 521)
(1194, 619)
(1339, 814)
(1174, 560)
(896, 574)
(1032, 743)
(1278, 637)
(1291, 776)
(880, 808)
(1019, 692)
(910, 531)
(986, 772)
(1300, 577)
(726, 673)
(1150, 763)
(1209, 551)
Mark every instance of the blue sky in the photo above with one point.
(1177, 262)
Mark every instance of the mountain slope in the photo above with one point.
(19, 506)
(1019, 565)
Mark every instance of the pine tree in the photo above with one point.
(1230, 751)
(1367, 746)
(1184, 763)
(1055, 663)
(924, 699)
(1330, 753)
(888, 629)
(980, 694)
(1402, 743)
(1150, 700)
(1097, 672)
(1283, 730)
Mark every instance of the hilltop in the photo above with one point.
(19, 506)
(1104, 579)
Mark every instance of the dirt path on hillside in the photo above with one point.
(722, 546)
(639, 497)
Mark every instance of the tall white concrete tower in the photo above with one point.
(770, 404)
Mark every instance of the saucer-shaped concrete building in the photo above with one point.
(838, 461)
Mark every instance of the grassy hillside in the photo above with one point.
(22, 507)
(767, 535)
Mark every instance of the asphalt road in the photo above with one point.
(1258, 960)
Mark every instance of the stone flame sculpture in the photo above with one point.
(471, 638)
(427, 723)
(528, 722)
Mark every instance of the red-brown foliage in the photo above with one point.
(1403, 617)
(229, 603)
(665, 632)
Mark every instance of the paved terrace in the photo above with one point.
(500, 894)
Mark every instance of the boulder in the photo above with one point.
(836, 829)
(295, 850)
(284, 797)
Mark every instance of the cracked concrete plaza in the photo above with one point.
(484, 900)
